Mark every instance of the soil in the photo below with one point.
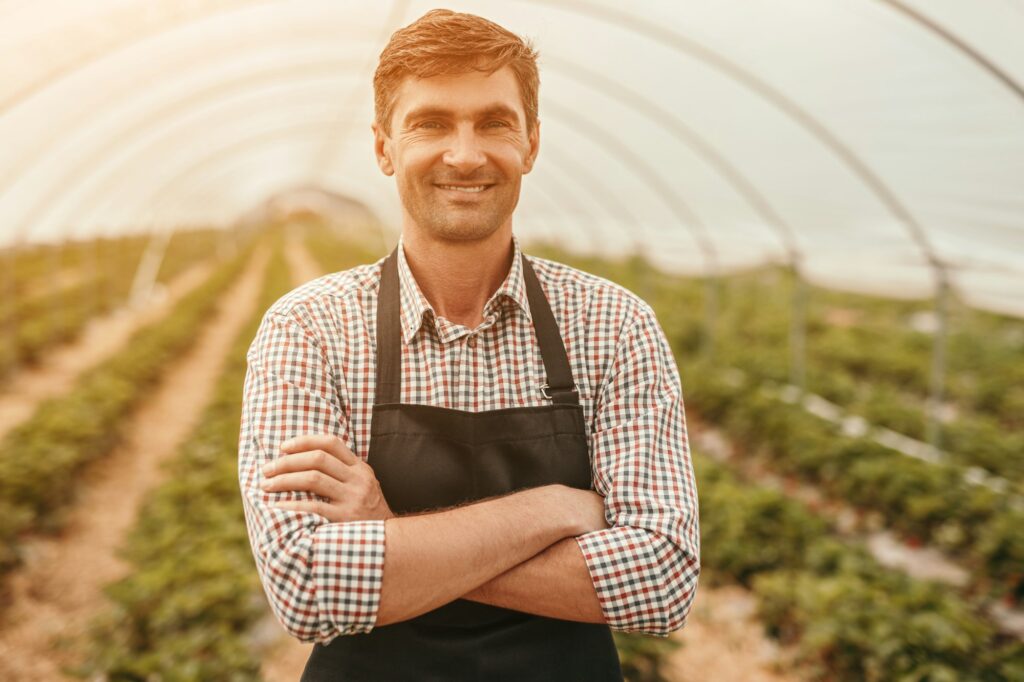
(59, 588)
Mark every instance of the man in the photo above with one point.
(458, 462)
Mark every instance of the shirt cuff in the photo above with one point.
(348, 569)
(626, 572)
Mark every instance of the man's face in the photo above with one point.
(458, 149)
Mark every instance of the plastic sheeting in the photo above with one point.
(875, 143)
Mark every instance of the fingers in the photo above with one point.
(320, 441)
(318, 460)
(321, 508)
(309, 481)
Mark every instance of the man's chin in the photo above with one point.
(465, 230)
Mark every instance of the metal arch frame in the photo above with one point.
(398, 8)
(881, 190)
(682, 44)
(160, 237)
(687, 46)
(949, 37)
(169, 194)
(539, 190)
(192, 98)
(161, 198)
(26, 161)
(135, 39)
(137, 207)
(646, 172)
(671, 38)
(124, 165)
(607, 200)
(696, 142)
(676, 205)
(938, 368)
(38, 209)
(615, 208)
(343, 128)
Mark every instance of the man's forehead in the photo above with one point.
(474, 93)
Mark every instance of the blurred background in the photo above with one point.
(821, 199)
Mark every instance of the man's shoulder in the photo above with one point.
(333, 291)
(557, 276)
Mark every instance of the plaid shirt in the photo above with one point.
(311, 370)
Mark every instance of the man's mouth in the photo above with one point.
(469, 189)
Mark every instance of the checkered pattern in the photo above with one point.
(311, 370)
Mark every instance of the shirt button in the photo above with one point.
(471, 342)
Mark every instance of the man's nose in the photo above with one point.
(465, 152)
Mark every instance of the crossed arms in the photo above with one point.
(547, 550)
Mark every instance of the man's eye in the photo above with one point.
(497, 124)
(429, 124)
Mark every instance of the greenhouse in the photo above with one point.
(820, 203)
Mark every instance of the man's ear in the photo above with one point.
(380, 148)
(534, 140)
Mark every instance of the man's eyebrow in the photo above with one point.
(499, 110)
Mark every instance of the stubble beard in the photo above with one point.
(450, 222)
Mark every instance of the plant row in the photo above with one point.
(41, 458)
(185, 610)
(847, 617)
(31, 323)
(926, 502)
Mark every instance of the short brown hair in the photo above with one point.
(443, 42)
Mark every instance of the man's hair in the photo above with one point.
(443, 42)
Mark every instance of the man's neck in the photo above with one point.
(457, 277)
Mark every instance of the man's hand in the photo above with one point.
(323, 465)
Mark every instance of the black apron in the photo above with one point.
(426, 457)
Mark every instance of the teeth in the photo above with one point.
(478, 188)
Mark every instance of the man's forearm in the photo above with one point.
(432, 559)
(555, 583)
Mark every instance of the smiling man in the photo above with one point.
(460, 462)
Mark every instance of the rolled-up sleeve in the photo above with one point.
(322, 579)
(645, 567)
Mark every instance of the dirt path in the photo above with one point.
(723, 640)
(65, 278)
(59, 588)
(285, 657)
(101, 338)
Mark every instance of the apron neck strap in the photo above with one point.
(560, 387)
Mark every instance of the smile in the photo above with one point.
(469, 189)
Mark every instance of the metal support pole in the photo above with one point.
(9, 358)
(798, 330)
(938, 376)
(55, 318)
(710, 314)
(149, 267)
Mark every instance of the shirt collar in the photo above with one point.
(416, 308)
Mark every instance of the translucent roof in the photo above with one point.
(874, 142)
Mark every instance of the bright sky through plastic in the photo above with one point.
(862, 134)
